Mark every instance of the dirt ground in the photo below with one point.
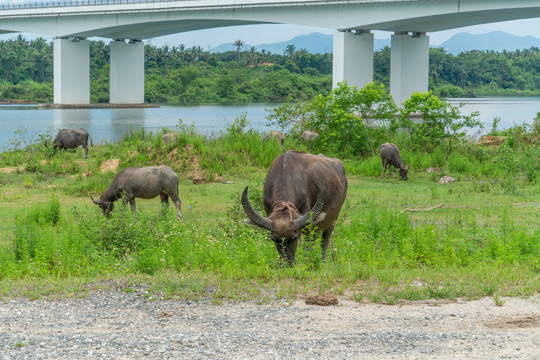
(120, 325)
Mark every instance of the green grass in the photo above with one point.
(54, 242)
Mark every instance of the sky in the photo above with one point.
(264, 34)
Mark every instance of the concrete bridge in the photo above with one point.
(128, 22)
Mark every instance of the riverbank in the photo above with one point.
(97, 106)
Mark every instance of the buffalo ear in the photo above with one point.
(97, 202)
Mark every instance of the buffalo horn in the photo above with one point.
(315, 211)
(253, 215)
(96, 201)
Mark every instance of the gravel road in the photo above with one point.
(119, 325)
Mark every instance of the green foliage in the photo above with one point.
(438, 121)
(344, 119)
(186, 75)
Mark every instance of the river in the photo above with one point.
(23, 122)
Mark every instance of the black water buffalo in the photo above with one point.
(71, 139)
(278, 135)
(300, 189)
(146, 183)
(390, 157)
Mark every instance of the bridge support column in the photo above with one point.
(127, 72)
(71, 71)
(353, 58)
(409, 65)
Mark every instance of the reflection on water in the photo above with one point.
(72, 119)
(111, 124)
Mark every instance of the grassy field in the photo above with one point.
(54, 242)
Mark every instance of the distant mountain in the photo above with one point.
(314, 43)
(317, 43)
(495, 40)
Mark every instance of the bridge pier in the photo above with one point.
(71, 71)
(352, 58)
(127, 72)
(409, 65)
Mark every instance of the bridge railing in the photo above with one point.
(66, 3)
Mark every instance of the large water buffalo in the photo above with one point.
(300, 189)
(390, 157)
(278, 135)
(71, 139)
(146, 183)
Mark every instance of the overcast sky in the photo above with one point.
(264, 34)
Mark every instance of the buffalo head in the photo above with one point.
(285, 223)
(403, 171)
(106, 206)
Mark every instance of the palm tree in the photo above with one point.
(239, 45)
(290, 51)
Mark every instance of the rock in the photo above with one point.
(322, 300)
(446, 179)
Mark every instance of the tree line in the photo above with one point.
(181, 74)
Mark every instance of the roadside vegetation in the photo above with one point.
(482, 241)
(180, 75)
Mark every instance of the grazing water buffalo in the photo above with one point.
(278, 135)
(300, 189)
(146, 183)
(71, 139)
(390, 157)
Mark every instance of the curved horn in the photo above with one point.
(96, 201)
(253, 214)
(316, 210)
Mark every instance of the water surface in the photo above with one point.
(111, 124)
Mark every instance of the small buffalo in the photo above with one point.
(390, 157)
(309, 135)
(71, 139)
(300, 189)
(278, 135)
(146, 183)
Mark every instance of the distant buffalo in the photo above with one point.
(309, 135)
(71, 139)
(278, 135)
(390, 157)
(300, 189)
(146, 183)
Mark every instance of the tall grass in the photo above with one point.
(377, 252)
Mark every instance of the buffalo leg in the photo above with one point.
(85, 151)
(132, 204)
(393, 171)
(325, 241)
(176, 200)
(164, 200)
(384, 165)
